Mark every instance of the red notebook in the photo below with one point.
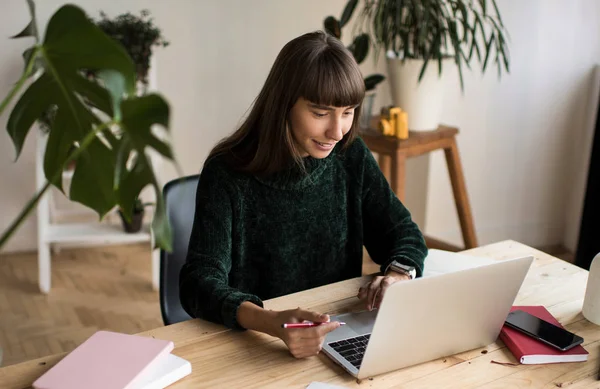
(530, 351)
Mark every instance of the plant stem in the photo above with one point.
(33, 202)
(19, 83)
(17, 222)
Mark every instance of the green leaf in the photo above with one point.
(332, 27)
(133, 179)
(372, 81)
(31, 30)
(161, 227)
(488, 49)
(60, 141)
(423, 68)
(502, 51)
(72, 45)
(483, 4)
(95, 95)
(92, 182)
(27, 110)
(497, 13)
(348, 11)
(139, 115)
(360, 47)
(474, 45)
(73, 42)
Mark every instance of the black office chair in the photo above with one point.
(180, 203)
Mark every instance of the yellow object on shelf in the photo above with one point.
(394, 122)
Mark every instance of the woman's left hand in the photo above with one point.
(372, 292)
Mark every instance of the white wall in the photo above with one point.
(514, 134)
(517, 135)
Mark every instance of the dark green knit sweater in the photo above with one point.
(256, 239)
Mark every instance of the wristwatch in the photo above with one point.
(402, 269)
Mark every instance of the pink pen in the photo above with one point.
(305, 325)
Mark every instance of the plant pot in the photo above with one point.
(421, 100)
(136, 221)
(367, 109)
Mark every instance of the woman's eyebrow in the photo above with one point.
(328, 108)
(323, 107)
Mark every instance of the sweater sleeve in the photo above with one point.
(203, 282)
(389, 231)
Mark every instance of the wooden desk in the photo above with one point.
(393, 153)
(230, 359)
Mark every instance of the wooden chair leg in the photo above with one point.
(385, 164)
(460, 195)
(399, 175)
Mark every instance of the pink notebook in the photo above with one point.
(107, 360)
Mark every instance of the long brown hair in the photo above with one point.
(315, 66)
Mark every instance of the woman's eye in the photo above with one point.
(319, 115)
(348, 113)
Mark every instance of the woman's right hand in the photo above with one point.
(303, 342)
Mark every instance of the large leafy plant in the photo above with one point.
(360, 43)
(100, 122)
(432, 30)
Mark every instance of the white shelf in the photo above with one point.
(94, 233)
(68, 174)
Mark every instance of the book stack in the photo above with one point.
(530, 351)
(110, 360)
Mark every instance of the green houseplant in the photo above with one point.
(134, 224)
(102, 140)
(360, 50)
(419, 35)
(137, 35)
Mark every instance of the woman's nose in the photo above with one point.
(336, 130)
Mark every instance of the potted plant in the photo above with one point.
(359, 49)
(134, 223)
(137, 34)
(420, 37)
(106, 137)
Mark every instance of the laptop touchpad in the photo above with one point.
(359, 322)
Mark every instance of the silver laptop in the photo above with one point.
(428, 318)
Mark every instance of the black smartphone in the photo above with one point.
(542, 330)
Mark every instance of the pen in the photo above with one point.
(305, 325)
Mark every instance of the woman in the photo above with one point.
(287, 202)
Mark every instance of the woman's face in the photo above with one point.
(317, 128)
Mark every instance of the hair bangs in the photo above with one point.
(333, 80)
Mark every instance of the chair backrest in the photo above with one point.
(180, 203)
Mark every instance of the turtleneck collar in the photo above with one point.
(294, 178)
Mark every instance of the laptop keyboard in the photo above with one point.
(352, 349)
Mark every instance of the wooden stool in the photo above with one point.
(393, 153)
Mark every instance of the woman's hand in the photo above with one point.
(303, 342)
(372, 292)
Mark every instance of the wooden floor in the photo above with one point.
(92, 289)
